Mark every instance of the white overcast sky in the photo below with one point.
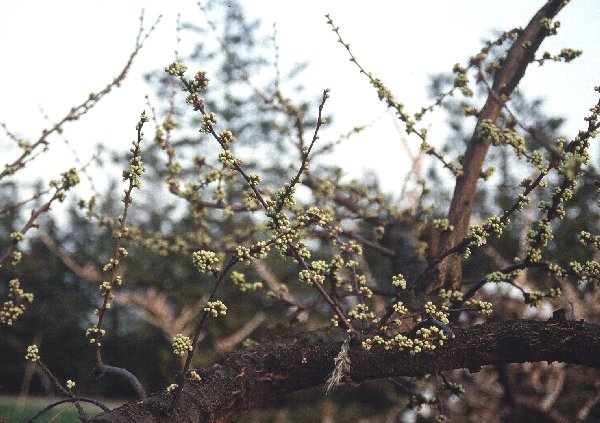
(55, 52)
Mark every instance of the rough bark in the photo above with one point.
(254, 375)
(519, 56)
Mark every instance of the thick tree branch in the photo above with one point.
(256, 374)
(519, 56)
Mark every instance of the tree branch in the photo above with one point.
(133, 381)
(256, 374)
(519, 56)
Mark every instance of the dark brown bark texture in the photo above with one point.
(507, 78)
(254, 375)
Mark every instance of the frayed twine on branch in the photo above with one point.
(341, 369)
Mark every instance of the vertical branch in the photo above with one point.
(512, 70)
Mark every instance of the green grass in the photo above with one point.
(14, 412)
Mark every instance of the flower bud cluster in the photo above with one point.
(239, 279)
(204, 260)
(16, 305)
(33, 353)
(181, 345)
(216, 308)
